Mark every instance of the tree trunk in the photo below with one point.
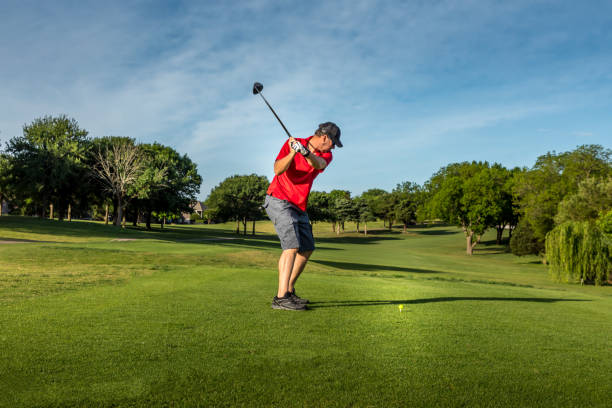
(338, 228)
(405, 228)
(163, 221)
(69, 212)
(244, 225)
(106, 215)
(61, 209)
(119, 213)
(357, 223)
(342, 226)
(390, 225)
(123, 220)
(469, 243)
(500, 233)
(237, 227)
(253, 227)
(51, 211)
(148, 220)
(365, 229)
(334, 226)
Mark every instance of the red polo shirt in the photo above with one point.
(294, 184)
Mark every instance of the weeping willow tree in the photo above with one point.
(579, 252)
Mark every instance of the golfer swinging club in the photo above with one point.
(297, 165)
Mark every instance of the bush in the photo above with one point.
(579, 252)
(524, 242)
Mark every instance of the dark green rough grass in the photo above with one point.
(174, 319)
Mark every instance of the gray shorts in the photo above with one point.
(292, 224)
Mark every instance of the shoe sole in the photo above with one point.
(279, 307)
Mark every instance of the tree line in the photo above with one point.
(55, 170)
(560, 208)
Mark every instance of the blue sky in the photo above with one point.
(414, 85)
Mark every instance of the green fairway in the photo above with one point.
(95, 316)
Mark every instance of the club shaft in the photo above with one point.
(275, 115)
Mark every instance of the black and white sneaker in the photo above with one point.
(286, 303)
(297, 299)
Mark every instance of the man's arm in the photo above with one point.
(315, 161)
(281, 165)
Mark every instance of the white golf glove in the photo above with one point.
(299, 148)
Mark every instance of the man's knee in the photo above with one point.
(306, 254)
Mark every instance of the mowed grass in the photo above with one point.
(94, 316)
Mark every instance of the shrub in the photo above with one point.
(523, 241)
(579, 252)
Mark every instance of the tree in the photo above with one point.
(383, 207)
(579, 251)
(505, 213)
(364, 213)
(539, 190)
(318, 206)
(523, 241)
(344, 210)
(118, 167)
(239, 198)
(5, 179)
(48, 162)
(373, 199)
(336, 216)
(593, 196)
(406, 203)
(168, 184)
(464, 195)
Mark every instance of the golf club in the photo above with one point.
(257, 88)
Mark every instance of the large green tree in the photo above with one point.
(338, 208)
(539, 190)
(594, 196)
(239, 198)
(407, 195)
(168, 184)
(504, 212)
(363, 212)
(465, 195)
(48, 162)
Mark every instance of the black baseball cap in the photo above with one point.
(332, 130)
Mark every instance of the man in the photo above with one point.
(299, 162)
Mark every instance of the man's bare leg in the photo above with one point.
(285, 267)
(298, 266)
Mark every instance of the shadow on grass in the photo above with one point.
(22, 241)
(350, 266)
(434, 232)
(171, 233)
(351, 303)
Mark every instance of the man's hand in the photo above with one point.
(299, 148)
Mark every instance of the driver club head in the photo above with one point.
(257, 88)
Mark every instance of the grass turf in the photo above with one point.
(182, 317)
